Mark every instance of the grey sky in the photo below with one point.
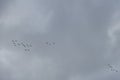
(85, 32)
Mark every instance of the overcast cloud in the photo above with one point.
(85, 33)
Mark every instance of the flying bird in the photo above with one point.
(27, 45)
(18, 44)
(27, 49)
(23, 45)
(53, 43)
(47, 43)
(12, 40)
(15, 40)
(110, 66)
(30, 45)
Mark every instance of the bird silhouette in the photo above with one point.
(18, 44)
(110, 66)
(30, 45)
(27, 49)
(23, 45)
(15, 40)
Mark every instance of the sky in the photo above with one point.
(85, 33)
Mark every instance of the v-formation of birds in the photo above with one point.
(26, 46)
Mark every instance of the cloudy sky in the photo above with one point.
(85, 33)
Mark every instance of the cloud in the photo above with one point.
(85, 33)
(113, 34)
(23, 15)
(22, 67)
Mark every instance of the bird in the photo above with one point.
(30, 45)
(18, 44)
(46, 42)
(12, 40)
(116, 70)
(110, 66)
(53, 43)
(27, 45)
(23, 45)
(15, 40)
(27, 49)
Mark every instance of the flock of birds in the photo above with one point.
(26, 46)
(50, 43)
(111, 68)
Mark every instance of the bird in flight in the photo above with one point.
(50, 43)
(110, 66)
(53, 43)
(23, 44)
